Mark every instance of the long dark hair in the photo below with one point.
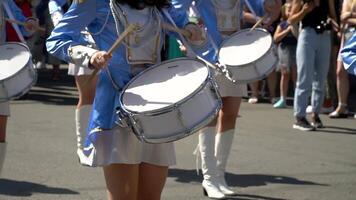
(139, 4)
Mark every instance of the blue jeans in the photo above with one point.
(313, 61)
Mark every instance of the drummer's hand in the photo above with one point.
(100, 59)
(308, 7)
(196, 33)
(31, 24)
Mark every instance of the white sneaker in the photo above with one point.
(40, 65)
(309, 109)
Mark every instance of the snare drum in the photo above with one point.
(249, 55)
(17, 74)
(170, 101)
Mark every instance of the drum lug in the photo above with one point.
(121, 118)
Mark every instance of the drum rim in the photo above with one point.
(245, 81)
(239, 32)
(170, 107)
(29, 60)
(175, 137)
(34, 74)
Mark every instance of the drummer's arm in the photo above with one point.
(299, 10)
(16, 11)
(279, 34)
(65, 39)
(347, 14)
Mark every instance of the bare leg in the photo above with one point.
(3, 122)
(343, 86)
(152, 179)
(228, 113)
(56, 73)
(272, 81)
(284, 83)
(254, 92)
(121, 181)
(86, 90)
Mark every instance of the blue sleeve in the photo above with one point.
(205, 51)
(54, 6)
(67, 33)
(17, 12)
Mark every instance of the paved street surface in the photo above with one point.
(269, 160)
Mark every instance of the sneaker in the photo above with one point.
(40, 65)
(281, 103)
(253, 100)
(274, 100)
(309, 109)
(316, 121)
(303, 125)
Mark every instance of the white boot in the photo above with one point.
(82, 115)
(223, 142)
(206, 148)
(2, 154)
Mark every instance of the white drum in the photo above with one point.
(170, 101)
(17, 73)
(249, 55)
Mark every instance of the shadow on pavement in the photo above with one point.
(251, 197)
(338, 130)
(239, 180)
(49, 91)
(24, 188)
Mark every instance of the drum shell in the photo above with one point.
(178, 121)
(257, 69)
(20, 83)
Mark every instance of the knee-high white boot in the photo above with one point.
(206, 148)
(82, 115)
(223, 142)
(2, 154)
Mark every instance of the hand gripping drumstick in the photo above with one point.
(127, 31)
(186, 33)
(258, 23)
(175, 29)
(23, 24)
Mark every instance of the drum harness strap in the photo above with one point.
(15, 26)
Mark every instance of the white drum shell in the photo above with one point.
(256, 69)
(183, 119)
(20, 82)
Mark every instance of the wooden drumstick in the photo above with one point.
(23, 24)
(258, 23)
(117, 43)
(175, 29)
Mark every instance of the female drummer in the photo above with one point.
(132, 170)
(221, 18)
(85, 86)
(7, 6)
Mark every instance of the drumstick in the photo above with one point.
(178, 30)
(23, 24)
(127, 31)
(258, 23)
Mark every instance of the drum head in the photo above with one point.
(245, 47)
(13, 57)
(163, 85)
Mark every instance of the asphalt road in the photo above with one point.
(269, 160)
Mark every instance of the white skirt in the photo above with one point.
(5, 108)
(229, 89)
(75, 70)
(120, 146)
